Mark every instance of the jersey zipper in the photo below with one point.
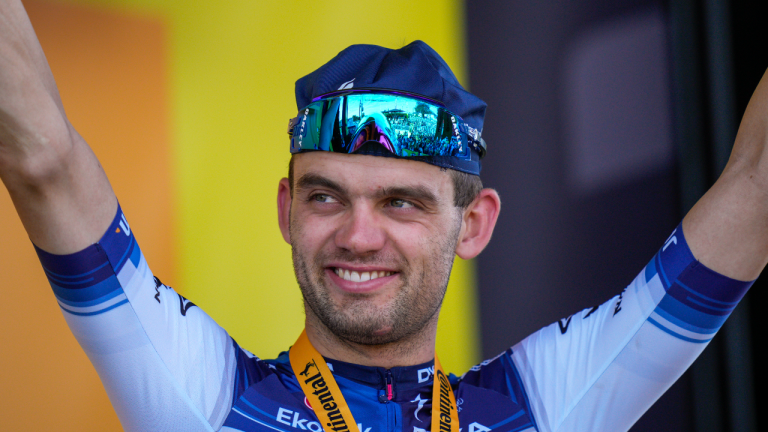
(388, 382)
(386, 398)
(388, 393)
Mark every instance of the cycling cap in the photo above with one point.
(367, 89)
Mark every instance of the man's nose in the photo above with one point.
(361, 231)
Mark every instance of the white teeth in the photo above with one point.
(362, 276)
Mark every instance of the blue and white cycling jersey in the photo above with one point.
(167, 366)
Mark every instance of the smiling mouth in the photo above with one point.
(354, 276)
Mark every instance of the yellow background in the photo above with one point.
(186, 102)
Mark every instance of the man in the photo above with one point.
(383, 191)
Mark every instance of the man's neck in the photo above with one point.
(415, 349)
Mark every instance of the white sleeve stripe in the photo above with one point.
(654, 288)
(224, 400)
(520, 358)
(696, 338)
(92, 310)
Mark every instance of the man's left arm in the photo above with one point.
(727, 229)
(600, 369)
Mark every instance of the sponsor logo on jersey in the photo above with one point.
(477, 427)
(184, 305)
(421, 405)
(294, 420)
(124, 225)
(618, 303)
(564, 323)
(158, 284)
(425, 373)
(672, 239)
(477, 367)
(591, 311)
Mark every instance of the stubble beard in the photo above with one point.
(359, 320)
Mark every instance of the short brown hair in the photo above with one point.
(466, 187)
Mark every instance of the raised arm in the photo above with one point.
(55, 181)
(164, 363)
(618, 358)
(727, 230)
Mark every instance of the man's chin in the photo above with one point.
(383, 332)
(366, 334)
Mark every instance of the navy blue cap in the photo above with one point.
(414, 68)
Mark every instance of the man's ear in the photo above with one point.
(284, 200)
(477, 224)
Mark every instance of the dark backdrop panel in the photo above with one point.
(581, 150)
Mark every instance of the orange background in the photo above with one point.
(111, 72)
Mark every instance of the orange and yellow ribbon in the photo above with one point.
(332, 411)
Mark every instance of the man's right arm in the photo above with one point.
(164, 363)
(57, 185)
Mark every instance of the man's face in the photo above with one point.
(373, 243)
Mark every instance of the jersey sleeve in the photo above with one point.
(603, 367)
(166, 365)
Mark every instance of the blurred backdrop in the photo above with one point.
(606, 121)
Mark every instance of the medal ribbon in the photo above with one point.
(325, 397)
(445, 417)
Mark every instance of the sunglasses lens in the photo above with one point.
(403, 125)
